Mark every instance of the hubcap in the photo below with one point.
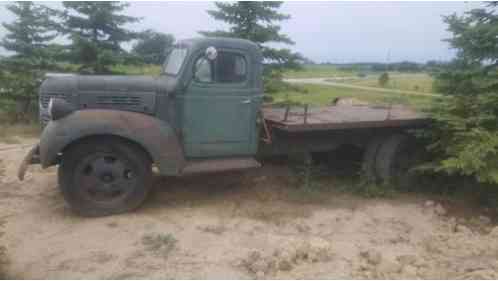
(105, 177)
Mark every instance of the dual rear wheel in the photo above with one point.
(390, 158)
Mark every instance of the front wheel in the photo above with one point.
(100, 177)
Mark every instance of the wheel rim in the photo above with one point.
(105, 177)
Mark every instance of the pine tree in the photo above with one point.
(28, 37)
(258, 22)
(30, 33)
(465, 133)
(152, 46)
(97, 31)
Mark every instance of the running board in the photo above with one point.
(219, 165)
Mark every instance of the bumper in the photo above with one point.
(33, 157)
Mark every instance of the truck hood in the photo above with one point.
(114, 83)
(82, 83)
(131, 93)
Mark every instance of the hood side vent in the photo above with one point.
(137, 102)
(106, 100)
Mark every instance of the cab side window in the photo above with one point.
(203, 70)
(228, 67)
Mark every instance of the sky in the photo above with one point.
(337, 32)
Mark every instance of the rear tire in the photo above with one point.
(369, 158)
(104, 176)
(395, 157)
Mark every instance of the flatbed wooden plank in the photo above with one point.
(343, 117)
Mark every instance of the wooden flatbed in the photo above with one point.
(337, 117)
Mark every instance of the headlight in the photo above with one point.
(49, 107)
(59, 108)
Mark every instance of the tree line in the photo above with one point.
(96, 32)
(402, 66)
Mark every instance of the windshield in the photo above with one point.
(174, 61)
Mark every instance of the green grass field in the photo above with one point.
(323, 95)
(318, 71)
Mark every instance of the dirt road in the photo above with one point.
(329, 82)
(252, 224)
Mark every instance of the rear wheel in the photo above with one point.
(101, 177)
(390, 158)
(369, 158)
(395, 157)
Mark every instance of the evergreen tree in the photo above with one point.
(97, 31)
(258, 22)
(28, 37)
(30, 33)
(152, 46)
(465, 133)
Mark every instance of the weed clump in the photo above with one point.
(159, 244)
(3, 258)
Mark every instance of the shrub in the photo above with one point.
(383, 79)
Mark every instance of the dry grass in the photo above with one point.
(3, 263)
(11, 134)
(215, 229)
(277, 215)
(159, 244)
(3, 257)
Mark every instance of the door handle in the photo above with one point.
(246, 101)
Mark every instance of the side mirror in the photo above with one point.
(211, 53)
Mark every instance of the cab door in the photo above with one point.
(219, 112)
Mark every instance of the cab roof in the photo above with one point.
(221, 42)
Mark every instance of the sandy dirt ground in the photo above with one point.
(251, 224)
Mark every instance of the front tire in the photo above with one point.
(104, 176)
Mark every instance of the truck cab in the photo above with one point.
(217, 100)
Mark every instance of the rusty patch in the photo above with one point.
(154, 135)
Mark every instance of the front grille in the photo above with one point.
(45, 98)
(118, 100)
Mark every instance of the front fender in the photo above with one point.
(154, 135)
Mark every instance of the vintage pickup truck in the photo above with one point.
(204, 113)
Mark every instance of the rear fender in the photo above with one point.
(155, 136)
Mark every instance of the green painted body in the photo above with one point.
(219, 119)
(174, 118)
